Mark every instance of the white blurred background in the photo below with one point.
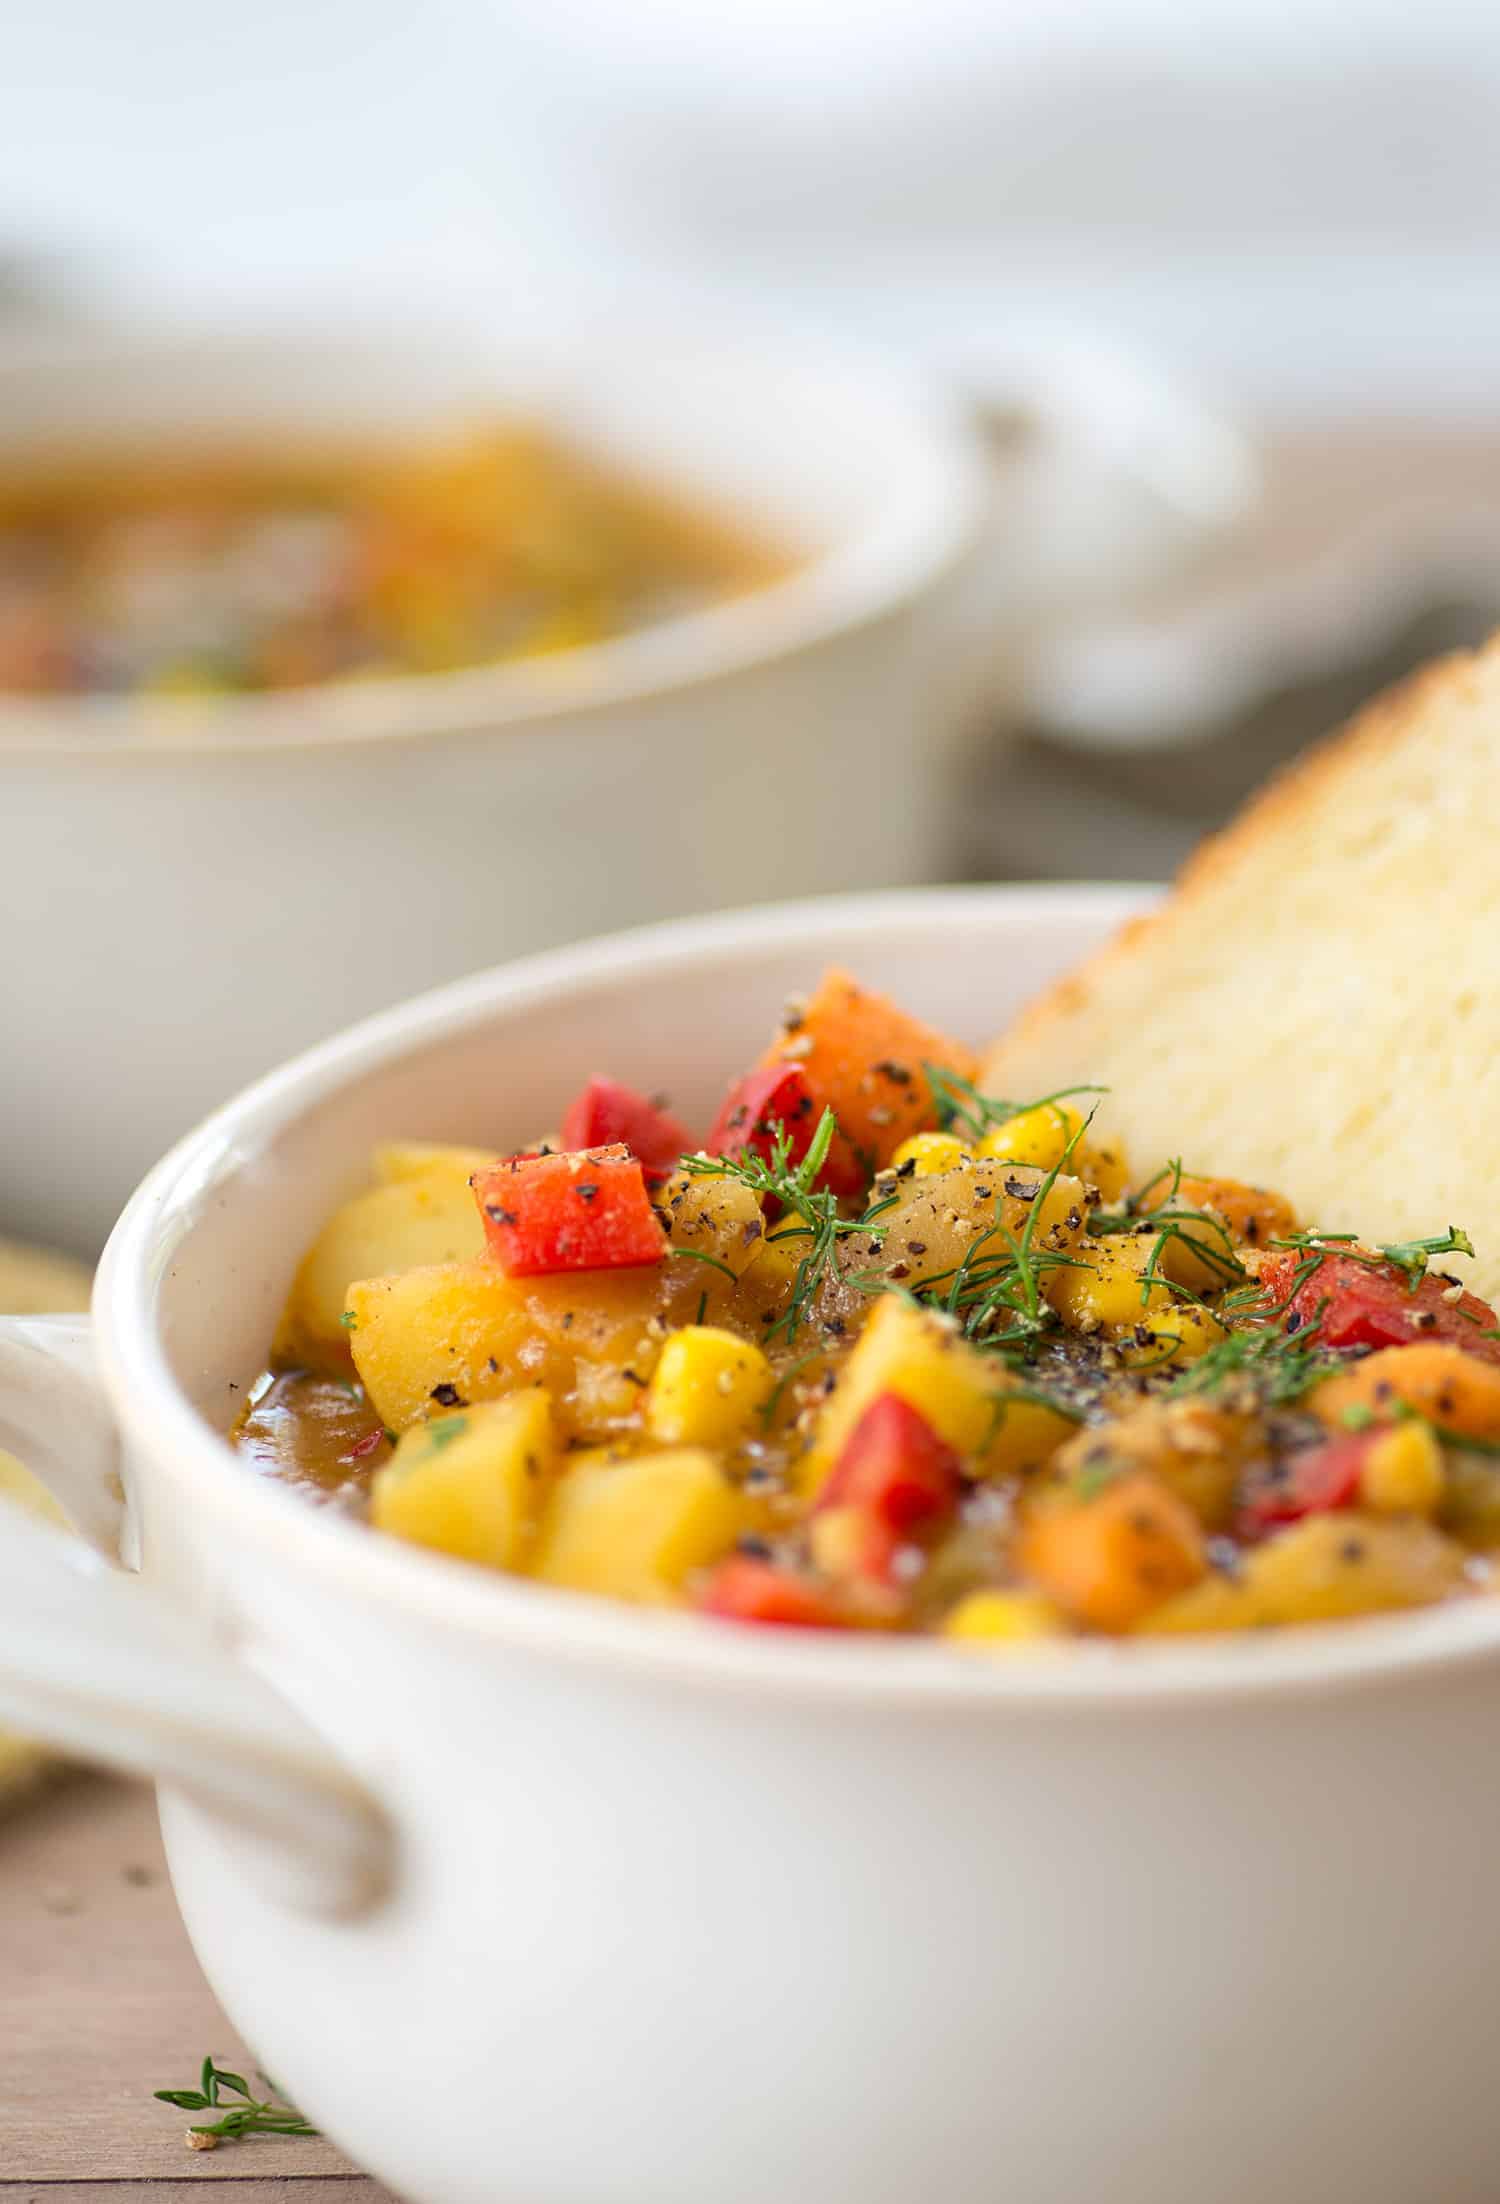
(1298, 204)
(1275, 226)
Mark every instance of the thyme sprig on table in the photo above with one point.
(813, 1213)
(251, 2116)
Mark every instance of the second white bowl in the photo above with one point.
(188, 893)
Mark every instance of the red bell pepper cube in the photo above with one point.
(895, 1473)
(777, 1097)
(607, 1114)
(747, 1589)
(757, 1107)
(585, 1210)
(1314, 1482)
(1347, 1302)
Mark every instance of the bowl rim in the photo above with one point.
(866, 575)
(516, 1616)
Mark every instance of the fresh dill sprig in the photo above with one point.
(1413, 1256)
(995, 1291)
(1279, 1369)
(252, 2116)
(1169, 1222)
(1410, 1257)
(813, 1215)
(701, 1255)
(958, 1102)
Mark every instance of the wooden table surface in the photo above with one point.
(101, 2002)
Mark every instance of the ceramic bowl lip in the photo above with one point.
(922, 532)
(510, 1615)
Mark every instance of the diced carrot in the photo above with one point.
(863, 1059)
(1430, 1378)
(1109, 1560)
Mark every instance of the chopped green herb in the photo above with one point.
(714, 1262)
(252, 2116)
(812, 1216)
(1412, 1256)
(1279, 1369)
(959, 1102)
(349, 1320)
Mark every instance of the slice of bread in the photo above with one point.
(1316, 1007)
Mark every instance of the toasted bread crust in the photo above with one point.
(1292, 791)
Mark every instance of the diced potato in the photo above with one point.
(929, 1153)
(637, 1530)
(1326, 1568)
(411, 1222)
(767, 1280)
(471, 1483)
(610, 1325)
(1003, 1618)
(1471, 1497)
(1403, 1472)
(429, 1340)
(1043, 1135)
(707, 1386)
(713, 1215)
(970, 1401)
(1107, 1561)
(1196, 1448)
(1455, 1391)
(1026, 1433)
(937, 1221)
(1105, 1289)
(394, 1160)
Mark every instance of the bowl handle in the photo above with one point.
(95, 1661)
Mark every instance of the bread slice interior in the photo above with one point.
(1316, 1006)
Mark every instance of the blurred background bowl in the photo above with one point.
(199, 886)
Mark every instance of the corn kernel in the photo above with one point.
(1105, 1288)
(1044, 1135)
(706, 1387)
(1038, 1136)
(994, 1618)
(929, 1153)
(1403, 1472)
(1178, 1335)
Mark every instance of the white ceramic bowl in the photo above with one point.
(190, 891)
(532, 1899)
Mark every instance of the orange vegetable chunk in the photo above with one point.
(863, 1059)
(1109, 1560)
